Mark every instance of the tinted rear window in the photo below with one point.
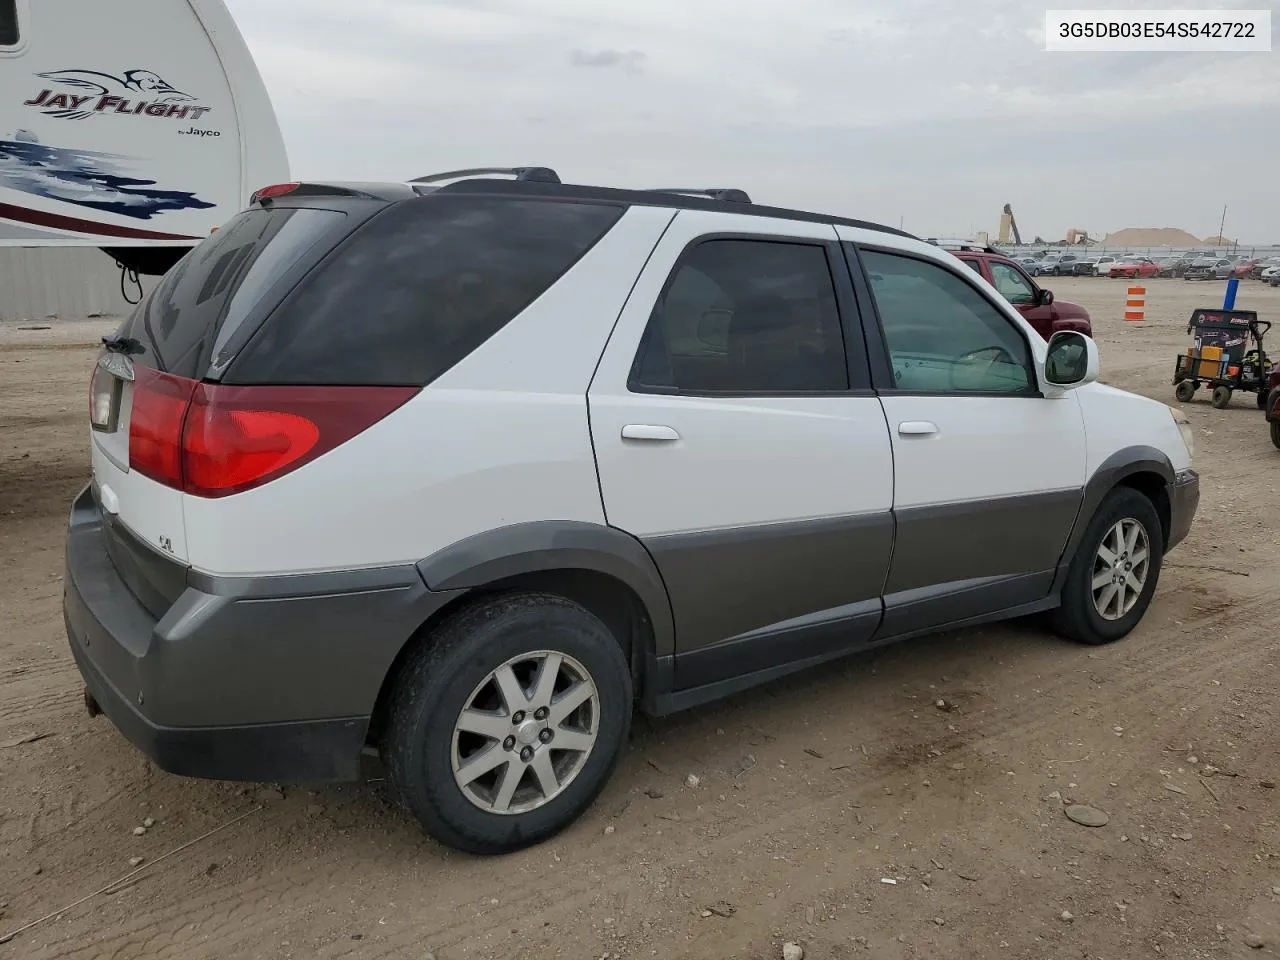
(210, 291)
(419, 287)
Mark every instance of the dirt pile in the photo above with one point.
(1151, 237)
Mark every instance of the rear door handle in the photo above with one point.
(649, 431)
(917, 428)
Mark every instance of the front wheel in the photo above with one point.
(1221, 397)
(1114, 572)
(507, 721)
(1185, 391)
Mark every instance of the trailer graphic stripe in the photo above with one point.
(58, 222)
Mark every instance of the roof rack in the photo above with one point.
(732, 194)
(536, 174)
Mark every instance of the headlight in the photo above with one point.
(1184, 428)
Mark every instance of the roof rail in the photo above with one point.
(537, 174)
(715, 193)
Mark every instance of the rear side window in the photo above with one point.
(742, 317)
(210, 291)
(9, 33)
(418, 288)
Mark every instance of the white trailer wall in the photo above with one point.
(50, 283)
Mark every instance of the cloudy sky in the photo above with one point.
(932, 112)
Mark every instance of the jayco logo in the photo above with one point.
(135, 92)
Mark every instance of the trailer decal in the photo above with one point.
(108, 93)
(100, 181)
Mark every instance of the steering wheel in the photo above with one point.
(997, 354)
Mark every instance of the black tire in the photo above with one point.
(1221, 397)
(1185, 391)
(1275, 433)
(436, 683)
(1262, 399)
(1078, 618)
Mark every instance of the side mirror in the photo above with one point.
(1071, 360)
(1044, 298)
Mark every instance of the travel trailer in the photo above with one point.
(136, 126)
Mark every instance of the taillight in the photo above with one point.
(225, 439)
(155, 424)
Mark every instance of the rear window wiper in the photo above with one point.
(117, 343)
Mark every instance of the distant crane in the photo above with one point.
(1007, 224)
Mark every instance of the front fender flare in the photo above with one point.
(1124, 463)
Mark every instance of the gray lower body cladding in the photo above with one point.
(277, 678)
(246, 679)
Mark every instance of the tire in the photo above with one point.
(454, 670)
(1262, 400)
(1275, 433)
(1221, 397)
(1185, 391)
(1079, 617)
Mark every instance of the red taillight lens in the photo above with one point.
(212, 440)
(237, 438)
(155, 424)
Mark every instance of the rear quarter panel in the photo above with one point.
(500, 439)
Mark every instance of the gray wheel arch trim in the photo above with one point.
(1124, 463)
(547, 545)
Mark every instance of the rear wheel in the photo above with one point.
(1114, 572)
(507, 722)
(1221, 397)
(1275, 433)
(1185, 391)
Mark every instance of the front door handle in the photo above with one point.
(917, 428)
(649, 431)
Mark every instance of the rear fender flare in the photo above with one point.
(548, 545)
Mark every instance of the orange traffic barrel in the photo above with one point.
(1135, 305)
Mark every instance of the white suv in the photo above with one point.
(462, 472)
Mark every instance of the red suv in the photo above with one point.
(1035, 303)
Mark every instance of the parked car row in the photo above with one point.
(1190, 266)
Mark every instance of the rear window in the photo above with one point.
(419, 287)
(204, 299)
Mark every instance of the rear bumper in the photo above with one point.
(270, 679)
(1184, 499)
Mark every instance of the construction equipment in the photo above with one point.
(1007, 224)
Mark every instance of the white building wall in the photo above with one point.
(48, 283)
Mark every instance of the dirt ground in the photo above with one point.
(839, 809)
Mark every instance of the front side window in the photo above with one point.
(1013, 286)
(943, 335)
(745, 316)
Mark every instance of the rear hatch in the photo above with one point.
(149, 370)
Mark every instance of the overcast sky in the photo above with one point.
(933, 111)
